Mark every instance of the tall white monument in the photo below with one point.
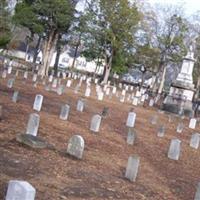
(179, 99)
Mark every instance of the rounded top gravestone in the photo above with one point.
(75, 146)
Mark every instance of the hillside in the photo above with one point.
(100, 174)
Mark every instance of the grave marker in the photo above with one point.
(95, 123)
(20, 190)
(64, 112)
(194, 142)
(131, 136)
(75, 146)
(38, 102)
(174, 149)
(192, 123)
(15, 96)
(33, 124)
(130, 122)
(132, 168)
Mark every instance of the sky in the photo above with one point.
(191, 6)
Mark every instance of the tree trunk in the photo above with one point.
(58, 48)
(197, 89)
(76, 51)
(47, 53)
(107, 68)
(36, 49)
(161, 86)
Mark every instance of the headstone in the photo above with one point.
(64, 112)
(107, 91)
(32, 141)
(95, 123)
(38, 102)
(131, 136)
(33, 124)
(151, 102)
(34, 78)
(130, 122)
(161, 131)
(25, 74)
(75, 146)
(20, 190)
(192, 123)
(15, 96)
(100, 96)
(60, 89)
(4, 74)
(154, 120)
(69, 82)
(180, 127)
(55, 83)
(114, 90)
(50, 78)
(10, 83)
(197, 194)
(80, 105)
(87, 92)
(9, 69)
(174, 149)
(132, 168)
(135, 101)
(194, 142)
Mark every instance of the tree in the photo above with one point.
(111, 28)
(5, 24)
(170, 32)
(49, 17)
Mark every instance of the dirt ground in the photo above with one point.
(100, 174)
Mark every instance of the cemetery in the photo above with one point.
(120, 151)
(99, 100)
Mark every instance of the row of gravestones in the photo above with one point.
(175, 145)
(138, 98)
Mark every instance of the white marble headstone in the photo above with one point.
(20, 190)
(38, 102)
(95, 123)
(174, 149)
(130, 122)
(33, 124)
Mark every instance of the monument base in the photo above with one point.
(179, 101)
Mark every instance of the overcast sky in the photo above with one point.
(191, 6)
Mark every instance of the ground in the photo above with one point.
(100, 174)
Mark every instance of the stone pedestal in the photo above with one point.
(179, 99)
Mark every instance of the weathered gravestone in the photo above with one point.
(9, 69)
(174, 149)
(135, 101)
(180, 127)
(132, 168)
(192, 123)
(15, 96)
(130, 122)
(75, 146)
(60, 89)
(87, 92)
(95, 123)
(100, 96)
(197, 194)
(161, 131)
(10, 83)
(38, 102)
(55, 83)
(151, 102)
(69, 82)
(33, 124)
(4, 74)
(80, 105)
(32, 141)
(34, 79)
(194, 141)
(154, 119)
(131, 137)
(64, 112)
(25, 74)
(20, 190)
